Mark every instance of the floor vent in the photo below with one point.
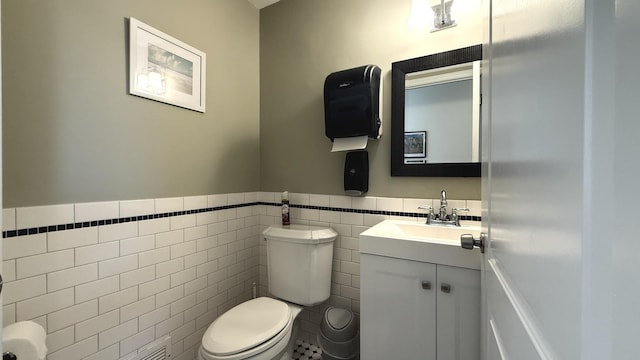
(157, 350)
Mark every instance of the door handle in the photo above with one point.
(426, 285)
(468, 242)
(445, 288)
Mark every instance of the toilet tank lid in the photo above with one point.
(304, 234)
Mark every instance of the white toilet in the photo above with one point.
(299, 260)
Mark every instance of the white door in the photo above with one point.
(1, 323)
(534, 179)
(561, 138)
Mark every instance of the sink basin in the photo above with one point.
(411, 240)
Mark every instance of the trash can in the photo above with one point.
(339, 337)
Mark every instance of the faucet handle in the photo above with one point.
(428, 208)
(430, 215)
(455, 216)
(455, 211)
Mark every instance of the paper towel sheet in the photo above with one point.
(350, 143)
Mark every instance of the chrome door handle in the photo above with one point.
(468, 242)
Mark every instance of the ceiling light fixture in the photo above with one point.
(442, 18)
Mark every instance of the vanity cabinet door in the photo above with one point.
(458, 313)
(398, 309)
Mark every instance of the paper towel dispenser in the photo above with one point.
(352, 103)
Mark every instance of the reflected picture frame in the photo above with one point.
(165, 69)
(415, 144)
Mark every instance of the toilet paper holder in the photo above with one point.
(7, 355)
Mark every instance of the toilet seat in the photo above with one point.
(249, 329)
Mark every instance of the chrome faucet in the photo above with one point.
(442, 218)
(443, 205)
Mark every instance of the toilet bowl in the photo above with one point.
(299, 260)
(259, 329)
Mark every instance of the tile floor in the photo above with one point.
(305, 351)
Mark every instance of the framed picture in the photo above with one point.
(415, 144)
(165, 69)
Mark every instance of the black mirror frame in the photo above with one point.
(399, 70)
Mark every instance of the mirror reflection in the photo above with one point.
(442, 123)
(435, 108)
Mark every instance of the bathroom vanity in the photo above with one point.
(420, 292)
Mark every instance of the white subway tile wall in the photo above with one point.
(105, 291)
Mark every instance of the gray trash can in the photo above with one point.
(339, 337)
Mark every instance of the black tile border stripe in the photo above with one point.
(79, 225)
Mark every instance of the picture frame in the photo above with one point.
(415, 144)
(165, 69)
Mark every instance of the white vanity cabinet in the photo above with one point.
(418, 310)
(419, 293)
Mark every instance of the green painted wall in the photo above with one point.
(301, 42)
(71, 131)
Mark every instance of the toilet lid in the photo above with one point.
(246, 325)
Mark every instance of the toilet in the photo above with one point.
(299, 260)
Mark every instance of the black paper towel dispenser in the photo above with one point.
(352, 103)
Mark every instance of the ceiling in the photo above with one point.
(262, 3)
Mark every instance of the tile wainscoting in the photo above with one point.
(105, 279)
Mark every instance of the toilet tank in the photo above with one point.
(299, 260)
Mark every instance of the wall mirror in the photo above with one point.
(435, 114)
